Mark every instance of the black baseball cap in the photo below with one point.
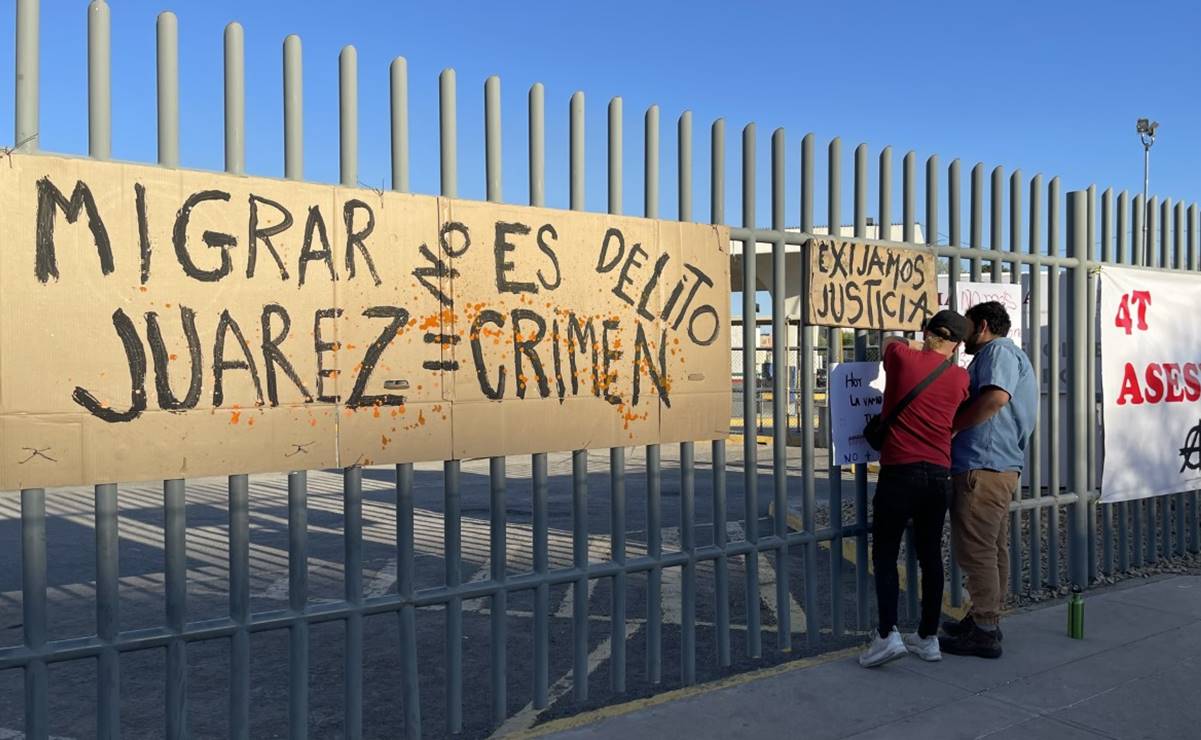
(949, 325)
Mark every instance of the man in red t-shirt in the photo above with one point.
(915, 479)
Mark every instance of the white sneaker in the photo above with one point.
(925, 648)
(883, 649)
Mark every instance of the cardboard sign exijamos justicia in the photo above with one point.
(162, 323)
(862, 285)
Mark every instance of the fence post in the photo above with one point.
(1078, 248)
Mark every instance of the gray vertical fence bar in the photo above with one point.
(1015, 277)
(721, 568)
(834, 354)
(996, 218)
(175, 527)
(779, 352)
(1078, 247)
(808, 383)
(298, 633)
(976, 226)
(541, 486)
(352, 489)
(33, 609)
(1194, 538)
(617, 458)
(1090, 389)
(448, 140)
(239, 605)
(541, 489)
(108, 676)
(108, 669)
(352, 513)
(955, 269)
(1138, 213)
(862, 582)
(1164, 503)
(298, 587)
(410, 687)
(492, 140)
(1123, 508)
(537, 144)
(239, 485)
(579, 589)
(908, 235)
(348, 116)
(398, 79)
(721, 596)
(26, 83)
(1120, 231)
(884, 199)
(167, 62)
(1165, 234)
(176, 556)
(750, 452)
(293, 109)
(654, 508)
(1106, 257)
(579, 458)
(498, 556)
(1054, 317)
(1180, 264)
(931, 234)
(235, 100)
(1152, 259)
(100, 137)
(1034, 344)
(687, 449)
(452, 538)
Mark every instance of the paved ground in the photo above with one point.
(1133, 676)
(70, 548)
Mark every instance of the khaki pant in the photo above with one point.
(980, 537)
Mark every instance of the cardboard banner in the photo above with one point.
(856, 395)
(968, 294)
(162, 323)
(870, 286)
(1151, 381)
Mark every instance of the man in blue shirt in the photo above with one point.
(987, 457)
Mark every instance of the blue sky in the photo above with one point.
(1048, 87)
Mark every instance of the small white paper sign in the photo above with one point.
(856, 395)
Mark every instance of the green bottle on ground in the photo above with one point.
(1076, 614)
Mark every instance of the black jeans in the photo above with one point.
(921, 492)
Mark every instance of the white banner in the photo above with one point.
(969, 294)
(856, 395)
(1151, 380)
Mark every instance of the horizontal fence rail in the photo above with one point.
(663, 565)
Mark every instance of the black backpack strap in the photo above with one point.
(916, 391)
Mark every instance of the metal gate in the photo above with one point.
(705, 569)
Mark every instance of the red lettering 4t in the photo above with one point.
(1141, 299)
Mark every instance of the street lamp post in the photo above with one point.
(1146, 133)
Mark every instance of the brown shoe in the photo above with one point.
(973, 642)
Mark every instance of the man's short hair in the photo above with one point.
(992, 314)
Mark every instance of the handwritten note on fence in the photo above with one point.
(869, 286)
(158, 323)
(856, 395)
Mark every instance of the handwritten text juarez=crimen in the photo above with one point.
(358, 325)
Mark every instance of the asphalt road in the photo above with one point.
(71, 572)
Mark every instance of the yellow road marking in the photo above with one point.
(619, 710)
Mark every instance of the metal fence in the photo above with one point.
(1044, 238)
